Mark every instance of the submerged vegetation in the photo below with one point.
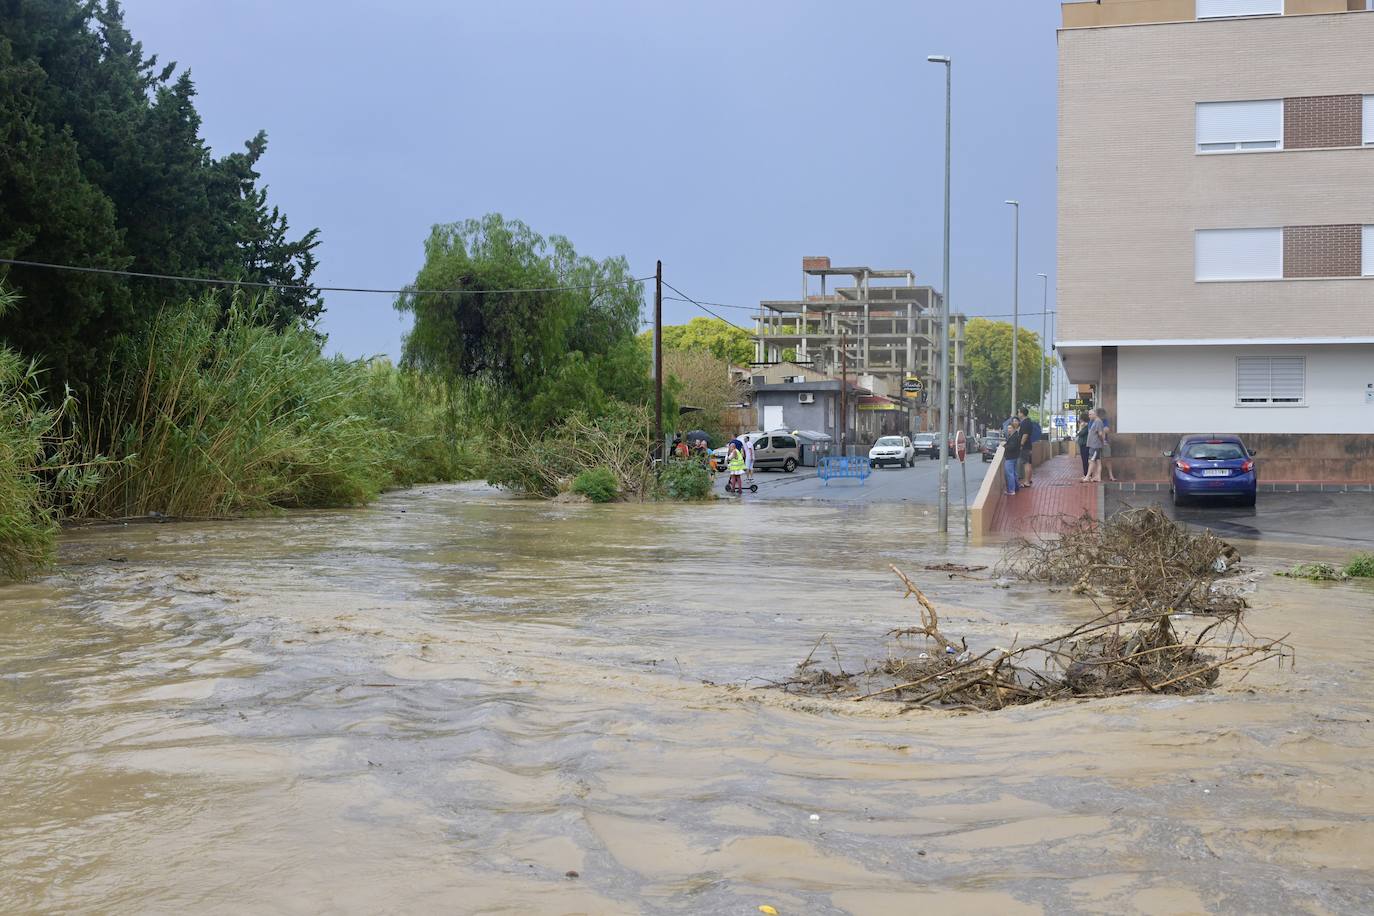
(219, 418)
(126, 390)
(212, 413)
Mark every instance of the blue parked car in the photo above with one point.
(1204, 466)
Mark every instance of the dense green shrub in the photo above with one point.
(597, 484)
(1361, 566)
(684, 480)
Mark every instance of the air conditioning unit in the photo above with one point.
(806, 397)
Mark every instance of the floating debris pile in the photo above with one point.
(1151, 569)
(1141, 560)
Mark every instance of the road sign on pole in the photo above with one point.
(961, 445)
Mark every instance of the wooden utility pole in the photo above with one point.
(658, 361)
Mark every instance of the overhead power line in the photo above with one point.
(221, 281)
(703, 308)
(719, 305)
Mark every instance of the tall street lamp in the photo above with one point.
(1015, 295)
(1044, 325)
(944, 311)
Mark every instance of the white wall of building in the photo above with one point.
(1192, 389)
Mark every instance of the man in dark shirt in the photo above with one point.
(1011, 453)
(1030, 431)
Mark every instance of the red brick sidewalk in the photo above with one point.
(1058, 495)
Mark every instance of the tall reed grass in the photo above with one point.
(40, 469)
(216, 414)
(28, 435)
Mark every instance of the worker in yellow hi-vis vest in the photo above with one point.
(734, 461)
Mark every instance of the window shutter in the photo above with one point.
(1240, 122)
(1271, 379)
(1252, 380)
(1287, 382)
(1239, 254)
(1216, 9)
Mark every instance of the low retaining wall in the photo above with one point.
(1340, 459)
(990, 495)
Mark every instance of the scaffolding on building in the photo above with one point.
(888, 332)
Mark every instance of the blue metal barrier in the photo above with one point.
(841, 467)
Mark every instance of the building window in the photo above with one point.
(1368, 118)
(1224, 127)
(1321, 251)
(1239, 254)
(1367, 258)
(1221, 9)
(1271, 380)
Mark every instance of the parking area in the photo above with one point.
(1334, 519)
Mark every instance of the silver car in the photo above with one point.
(777, 450)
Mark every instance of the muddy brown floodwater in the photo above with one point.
(451, 701)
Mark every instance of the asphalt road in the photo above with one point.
(1335, 519)
(919, 484)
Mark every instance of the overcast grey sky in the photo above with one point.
(727, 138)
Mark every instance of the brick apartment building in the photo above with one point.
(1216, 227)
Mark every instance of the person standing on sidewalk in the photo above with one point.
(1106, 445)
(1031, 433)
(1095, 440)
(1084, 421)
(1011, 454)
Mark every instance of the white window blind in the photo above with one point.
(1369, 120)
(1271, 379)
(1226, 126)
(1239, 254)
(1368, 252)
(1218, 9)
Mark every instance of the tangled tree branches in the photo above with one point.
(1118, 652)
(1140, 559)
(545, 464)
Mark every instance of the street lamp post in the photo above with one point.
(944, 311)
(1015, 294)
(1044, 326)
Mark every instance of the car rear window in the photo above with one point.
(1213, 451)
(784, 442)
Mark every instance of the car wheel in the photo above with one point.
(1179, 498)
(1248, 499)
(789, 465)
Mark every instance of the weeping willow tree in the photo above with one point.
(525, 327)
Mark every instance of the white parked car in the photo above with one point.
(896, 450)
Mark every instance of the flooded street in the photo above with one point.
(451, 701)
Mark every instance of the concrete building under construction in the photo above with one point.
(887, 332)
